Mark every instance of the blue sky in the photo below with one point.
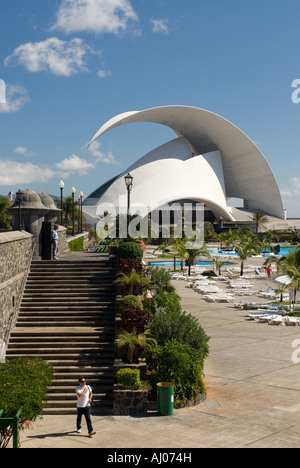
(70, 65)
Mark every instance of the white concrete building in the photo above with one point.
(210, 162)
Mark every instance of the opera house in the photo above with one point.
(210, 161)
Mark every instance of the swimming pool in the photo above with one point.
(214, 252)
(171, 263)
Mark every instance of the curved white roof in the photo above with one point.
(242, 171)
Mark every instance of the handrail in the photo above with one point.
(14, 422)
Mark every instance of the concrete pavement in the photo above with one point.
(253, 394)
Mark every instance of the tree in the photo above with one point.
(24, 385)
(192, 254)
(5, 219)
(161, 248)
(179, 248)
(246, 245)
(132, 341)
(290, 266)
(131, 282)
(259, 219)
(68, 209)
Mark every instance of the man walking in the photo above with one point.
(84, 394)
(55, 241)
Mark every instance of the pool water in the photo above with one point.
(283, 252)
(214, 252)
(171, 263)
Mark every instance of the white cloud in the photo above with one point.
(23, 150)
(16, 98)
(293, 190)
(12, 173)
(99, 156)
(160, 26)
(104, 73)
(53, 55)
(74, 164)
(97, 16)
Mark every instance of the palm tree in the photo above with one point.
(219, 266)
(290, 266)
(133, 340)
(245, 247)
(259, 219)
(192, 254)
(131, 281)
(162, 248)
(281, 291)
(179, 248)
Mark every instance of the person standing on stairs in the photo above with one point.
(84, 395)
(55, 241)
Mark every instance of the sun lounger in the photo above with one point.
(278, 320)
(292, 321)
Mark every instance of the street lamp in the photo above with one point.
(73, 191)
(19, 201)
(129, 185)
(80, 209)
(61, 186)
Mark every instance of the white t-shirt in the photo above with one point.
(83, 401)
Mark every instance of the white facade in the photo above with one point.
(210, 162)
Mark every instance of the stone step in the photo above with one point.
(58, 307)
(67, 283)
(58, 299)
(65, 332)
(97, 397)
(72, 323)
(88, 370)
(65, 389)
(68, 361)
(38, 294)
(65, 352)
(99, 410)
(67, 317)
(59, 345)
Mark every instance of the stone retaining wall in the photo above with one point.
(15, 258)
(130, 402)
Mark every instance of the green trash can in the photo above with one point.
(165, 398)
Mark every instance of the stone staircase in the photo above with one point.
(67, 317)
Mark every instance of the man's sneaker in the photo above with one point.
(92, 433)
(78, 431)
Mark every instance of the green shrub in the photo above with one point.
(76, 245)
(129, 378)
(167, 302)
(24, 384)
(131, 301)
(162, 279)
(177, 363)
(172, 323)
(130, 250)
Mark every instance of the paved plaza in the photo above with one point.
(253, 393)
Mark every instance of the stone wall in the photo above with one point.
(15, 258)
(130, 402)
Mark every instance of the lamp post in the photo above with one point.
(73, 191)
(61, 186)
(129, 184)
(19, 202)
(80, 210)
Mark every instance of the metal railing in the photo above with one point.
(14, 422)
